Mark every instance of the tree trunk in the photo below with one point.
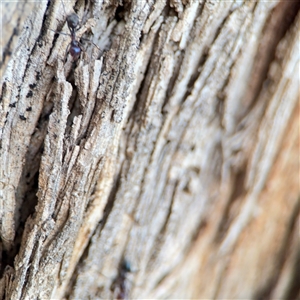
(161, 164)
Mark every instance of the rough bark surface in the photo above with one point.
(172, 147)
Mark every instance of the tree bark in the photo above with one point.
(161, 164)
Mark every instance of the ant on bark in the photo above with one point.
(75, 47)
(120, 284)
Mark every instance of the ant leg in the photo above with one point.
(88, 41)
(59, 32)
(67, 51)
(90, 53)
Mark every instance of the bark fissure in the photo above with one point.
(165, 149)
(282, 255)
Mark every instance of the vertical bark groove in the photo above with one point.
(170, 148)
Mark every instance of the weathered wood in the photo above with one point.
(174, 148)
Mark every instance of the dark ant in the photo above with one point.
(75, 47)
(120, 284)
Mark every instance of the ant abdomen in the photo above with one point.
(75, 50)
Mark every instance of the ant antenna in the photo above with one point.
(63, 6)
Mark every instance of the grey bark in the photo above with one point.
(172, 145)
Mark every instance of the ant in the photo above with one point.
(120, 284)
(75, 47)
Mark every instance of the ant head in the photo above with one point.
(73, 21)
